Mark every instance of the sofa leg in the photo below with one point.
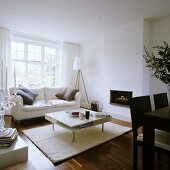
(12, 118)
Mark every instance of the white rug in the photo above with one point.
(57, 145)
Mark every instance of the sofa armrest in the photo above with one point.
(19, 100)
(77, 96)
(11, 90)
(18, 107)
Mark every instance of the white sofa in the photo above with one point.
(45, 102)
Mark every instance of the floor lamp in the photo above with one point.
(77, 67)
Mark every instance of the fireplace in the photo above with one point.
(120, 97)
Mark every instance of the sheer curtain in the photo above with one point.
(4, 57)
(69, 52)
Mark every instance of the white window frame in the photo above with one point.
(15, 37)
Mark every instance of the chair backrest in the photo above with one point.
(139, 106)
(160, 100)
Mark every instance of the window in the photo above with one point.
(36, 63)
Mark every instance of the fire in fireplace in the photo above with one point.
(120, 97)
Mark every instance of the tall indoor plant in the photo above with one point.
(159, 62)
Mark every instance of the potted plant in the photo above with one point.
(159, 62)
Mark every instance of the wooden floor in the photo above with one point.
(112, 155)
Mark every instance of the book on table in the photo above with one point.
(7, 139)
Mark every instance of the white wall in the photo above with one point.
(70, 50)
(146, 43)
(113, 61)
(92, 68)
(160, 31)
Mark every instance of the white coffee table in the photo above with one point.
(75, 123)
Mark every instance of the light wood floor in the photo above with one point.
(112, 155)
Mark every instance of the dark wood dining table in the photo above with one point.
(157, 119)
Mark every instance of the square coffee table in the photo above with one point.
(64, 119)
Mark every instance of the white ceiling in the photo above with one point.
(76, 20)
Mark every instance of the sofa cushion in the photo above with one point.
(31, 92)
(49, 93)
(67, 94)
(62, 103)
(27, 98)
(53, 103)
(60, 94)
(38, 105)
(40, 92)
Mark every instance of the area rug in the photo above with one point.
(57, 145)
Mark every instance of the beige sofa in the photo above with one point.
(45, 102)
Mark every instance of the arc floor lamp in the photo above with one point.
(79, 77)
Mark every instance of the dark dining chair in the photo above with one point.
(139, 106)
(160, 100)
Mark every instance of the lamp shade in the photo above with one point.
(76, 65)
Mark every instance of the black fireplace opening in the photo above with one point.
(120, 97)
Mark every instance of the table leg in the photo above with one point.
(73, 136)
(148, 145)
(102, 127)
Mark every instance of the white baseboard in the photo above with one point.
(114, 115)
(85, 105)
(119, 116)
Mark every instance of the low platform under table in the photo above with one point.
(17, 152)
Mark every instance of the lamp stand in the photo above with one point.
(80, 74)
